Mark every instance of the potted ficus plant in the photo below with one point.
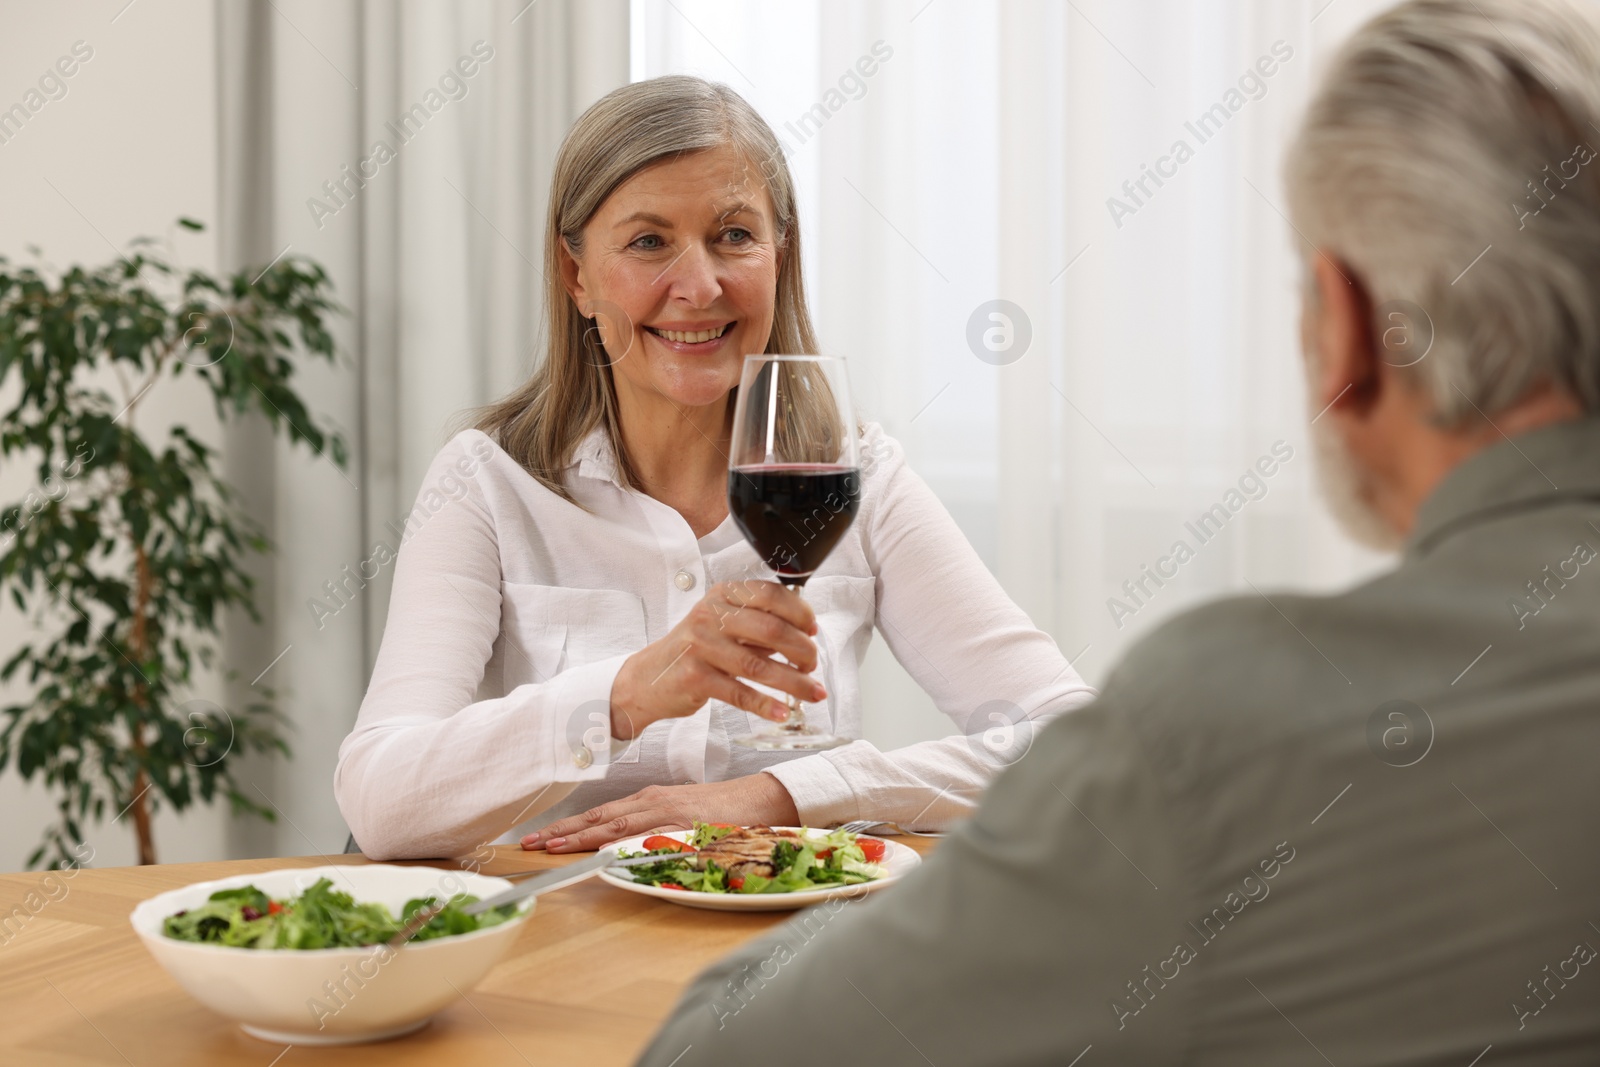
(131, 545)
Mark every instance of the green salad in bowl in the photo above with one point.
(319, 917)
(333, 979)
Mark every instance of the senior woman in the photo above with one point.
(575, 626)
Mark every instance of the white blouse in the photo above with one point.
(488, 713)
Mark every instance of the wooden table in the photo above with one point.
(587, 982)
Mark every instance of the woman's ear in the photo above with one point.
(572, 277)
(780, 247)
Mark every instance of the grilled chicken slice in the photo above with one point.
(745, 850)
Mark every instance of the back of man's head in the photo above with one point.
(1451, 159)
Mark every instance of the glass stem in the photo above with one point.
(796, 722)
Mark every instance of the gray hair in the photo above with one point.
(1443, 128)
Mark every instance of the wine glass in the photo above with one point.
(794, 485)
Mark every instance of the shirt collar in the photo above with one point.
(1534, 469)
(595, 457)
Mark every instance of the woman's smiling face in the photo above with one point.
(680, 264)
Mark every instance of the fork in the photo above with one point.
(856, 826)
(543, 881)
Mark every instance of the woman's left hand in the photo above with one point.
(753, 799)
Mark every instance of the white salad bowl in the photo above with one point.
(332, 996)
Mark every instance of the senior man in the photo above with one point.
(1350, 829)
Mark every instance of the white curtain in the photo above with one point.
(435, 245)
(977, 162)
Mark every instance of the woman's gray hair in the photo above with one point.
(1448, 159)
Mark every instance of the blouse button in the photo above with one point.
(582, 757)
(683, 580)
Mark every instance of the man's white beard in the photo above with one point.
(1346, 488)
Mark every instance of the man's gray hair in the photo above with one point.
(1449, 159)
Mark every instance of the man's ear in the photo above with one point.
(572, 276)
(1347, 365)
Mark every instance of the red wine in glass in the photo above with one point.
(794, 513)
(794, 486)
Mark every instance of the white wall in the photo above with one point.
(129, 148)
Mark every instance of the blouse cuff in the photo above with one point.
(579, 740)
(821, 794)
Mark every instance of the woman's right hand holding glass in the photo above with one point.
(729, 635)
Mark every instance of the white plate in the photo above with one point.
(897, 860)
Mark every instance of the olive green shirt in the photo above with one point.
(1351, 829)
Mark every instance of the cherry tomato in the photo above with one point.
(673, 885)
(736, 882)
(671, 844)
(824, 854)
(872, 848)
(274, 908)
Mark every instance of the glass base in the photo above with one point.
(790, 741)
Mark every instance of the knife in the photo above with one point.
(543, 883)
(561, 876)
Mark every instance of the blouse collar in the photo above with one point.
(595, 457)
